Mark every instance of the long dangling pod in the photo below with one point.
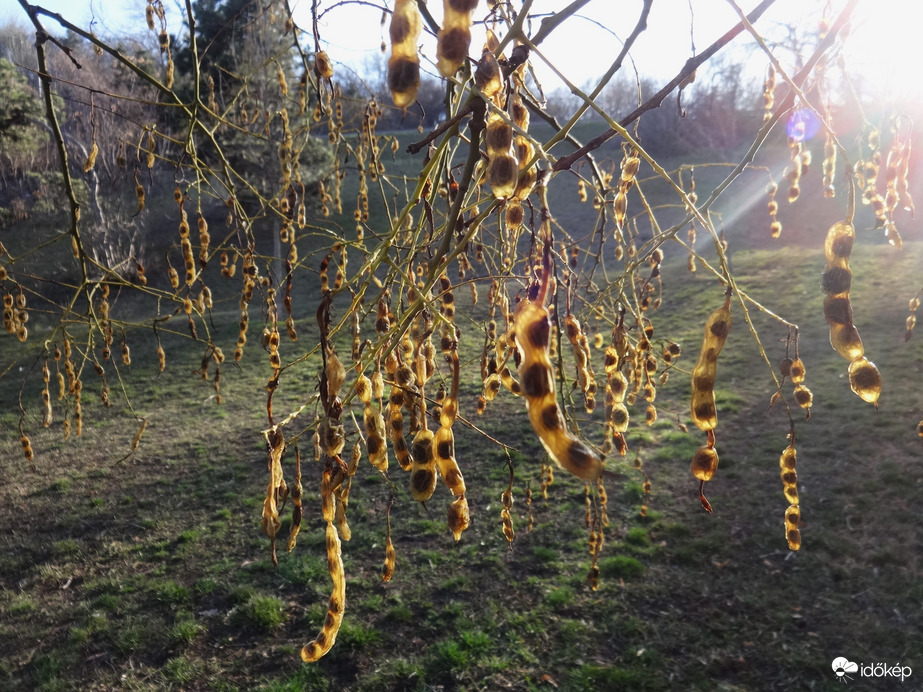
(790, 488)
(704, 413)
(864, 378)
(321, 644)
(533, 340)
(275, 448)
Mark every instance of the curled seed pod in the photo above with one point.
(533, 337)
(90, 162)
(323, 68)
(865, 380)
(336, 373)
(387, 569)
(314, 650)
(458, 517)
(704, 411)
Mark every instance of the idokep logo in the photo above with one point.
(843, 666)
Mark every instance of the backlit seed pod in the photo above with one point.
(387, 569)
(845, 340)
(444, 455)
(838, 244)
(458, 517)
(423, 473)
(769, 86)
(375, 438)
(704, 412)
(364, 388)
(796, 371)
(865, 380)
(502, 166)
(836, 280)
(323, 68)
(533, 337)
(188, 261)
(204, 240)
(455, 36)
(803, 397)
(704, 463)
(404, 63)
(487, 75)
(336, 373)
(506, 518)
(27, 448)
(314, 650)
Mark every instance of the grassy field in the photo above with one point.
(151, 573)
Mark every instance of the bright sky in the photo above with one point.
(884, 46)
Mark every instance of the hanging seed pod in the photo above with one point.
(404, 63)
(423, 473)
(458, 517)
(314, 650)
(865, 380)
(323, 68)
(487, 76)
(455, 36)
(704, 412)
(533, 337)
(502, 167)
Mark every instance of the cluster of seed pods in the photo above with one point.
(704, 412)
(800, 160)
(772, 206)
(864, 378)
(795, 370)
(15, 315)
(586, 380)
(769, 89)
(897, 166)
(616, 388)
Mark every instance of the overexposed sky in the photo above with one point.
(883, 48)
